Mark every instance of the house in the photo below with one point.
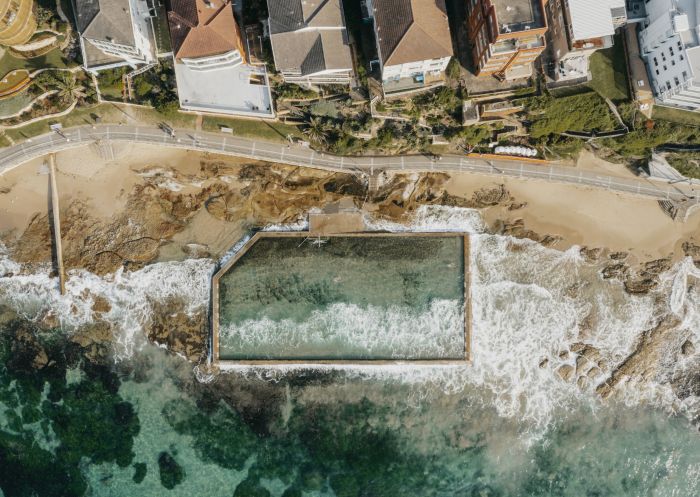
(413, 43)
(669, 44)
(211, 65)
(310, 41)
(506, 35)
(577, 28)
(17, 22)
(114, 33)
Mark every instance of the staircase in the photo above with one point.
(127, 80)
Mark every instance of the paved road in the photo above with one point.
(302, 156)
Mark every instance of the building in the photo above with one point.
(577, 28)
(211, 65)
(17, 22)
(413, 43)
(506, 36)
(669, 44)
(310, 41)
(114, 33)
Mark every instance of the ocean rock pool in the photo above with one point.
(364, 297)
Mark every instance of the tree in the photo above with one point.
(68, 87)
(317, 130)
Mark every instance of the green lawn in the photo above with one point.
(110, 113)
(609, 72)
(161, 31)
(12, 105)
(266, 130)
(53, 59)
(676, 115)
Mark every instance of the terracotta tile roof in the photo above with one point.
(202, 28)
(411, 30)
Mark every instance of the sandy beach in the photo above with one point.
(575, 215)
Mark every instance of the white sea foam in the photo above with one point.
(530, 303)
(393, 332)
(433, 218)
(130, 294)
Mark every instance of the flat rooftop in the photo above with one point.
(240, 90)
(518, 15)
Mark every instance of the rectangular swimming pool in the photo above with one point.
(288, 297)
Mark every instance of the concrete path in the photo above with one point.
(301, 156)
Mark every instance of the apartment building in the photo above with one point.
(211, 65)
(310, 42)
(413, 43)
(670, 47)
(17, 22)
(506, 36)
(576, 29)
(114, 33)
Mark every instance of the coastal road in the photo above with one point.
(303, 156)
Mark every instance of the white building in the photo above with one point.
(413, 43)
(114, 33)
(211, 66)
(669, 45)
(577, 28)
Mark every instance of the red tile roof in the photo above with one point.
(202, 28)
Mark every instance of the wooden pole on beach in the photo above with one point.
(55, 214)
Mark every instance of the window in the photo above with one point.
(681, 57)
(665, 68)
(657, 72)
(670, 50)
(656, 62)
(668, 85)
(675, 81)
(673, 62)
(685, 76)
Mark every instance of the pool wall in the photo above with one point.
(214, 356)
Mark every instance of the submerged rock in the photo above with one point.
(180, 332)
(171, 473)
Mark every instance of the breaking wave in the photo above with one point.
(392, 333)
(531, 305)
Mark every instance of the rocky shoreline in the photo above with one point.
(248, 195)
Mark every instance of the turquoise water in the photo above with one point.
(149, 428)
(507, 424)
(290, 298)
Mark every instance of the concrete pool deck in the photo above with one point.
(217, 362)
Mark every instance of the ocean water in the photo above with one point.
(392, 297)
(506, 425)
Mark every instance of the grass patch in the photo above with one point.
(12, 105)
(676, 115)
(53, 59)
(686, 163)
(609, 72)
(250, 128)
(4, 142)
(161, 31)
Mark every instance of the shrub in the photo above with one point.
(584, 112)
(453, 70)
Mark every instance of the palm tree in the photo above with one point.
(317, 130)
(69, 90)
